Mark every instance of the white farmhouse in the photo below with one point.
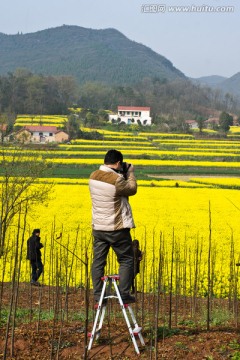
(132, 115)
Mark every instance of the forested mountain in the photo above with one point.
(212, 80)
(232, 85)
(51, 70)
(226, 85)
(105, 56)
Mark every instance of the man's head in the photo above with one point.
(113, 157)
(36, 231)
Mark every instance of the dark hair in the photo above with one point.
(113, 156)
(36, 231)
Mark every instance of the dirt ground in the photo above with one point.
(189, 177)
(42, 338)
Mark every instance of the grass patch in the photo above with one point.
(25, 316)
(162, 332)
(219, 316)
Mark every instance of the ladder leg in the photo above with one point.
(95, 329)
(126, 317)
(136, 329)
(98, 330)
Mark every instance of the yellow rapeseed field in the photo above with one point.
(177, 214)
(195, 223)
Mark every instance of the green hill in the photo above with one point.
(227, 85)
(232, 85)
(87, 54)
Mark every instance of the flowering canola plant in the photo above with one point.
(156, 210)
(229, 183)
(155, 162)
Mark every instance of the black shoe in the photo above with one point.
(129, 300)
(35, 283)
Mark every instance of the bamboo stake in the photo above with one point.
(209, 270)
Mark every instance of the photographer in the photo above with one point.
(112, 220)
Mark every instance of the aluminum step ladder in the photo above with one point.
(134, 329)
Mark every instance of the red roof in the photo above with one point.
(39, 128)
(212, 120)
(132, 108)
(190, 121)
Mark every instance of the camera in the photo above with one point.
(124, 169)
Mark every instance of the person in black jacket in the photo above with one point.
(34, 255)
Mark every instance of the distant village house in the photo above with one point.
(211, 122)
(132, 115)
(192, 124)
(39, 134)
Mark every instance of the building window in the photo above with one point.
(50, 134)
(40, 134)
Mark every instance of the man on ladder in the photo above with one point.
(110, 187)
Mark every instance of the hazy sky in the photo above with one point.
(201, 41)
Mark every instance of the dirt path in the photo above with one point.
(188, 177)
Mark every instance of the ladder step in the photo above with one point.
(115, 277)
(106, 277)
(137, 330)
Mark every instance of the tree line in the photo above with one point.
(171, 103)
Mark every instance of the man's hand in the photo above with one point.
(131, 168)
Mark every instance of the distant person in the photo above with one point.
(34, 255)
(137, 257)
(110, 187)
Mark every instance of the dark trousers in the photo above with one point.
(37, 269)
(121, 243)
